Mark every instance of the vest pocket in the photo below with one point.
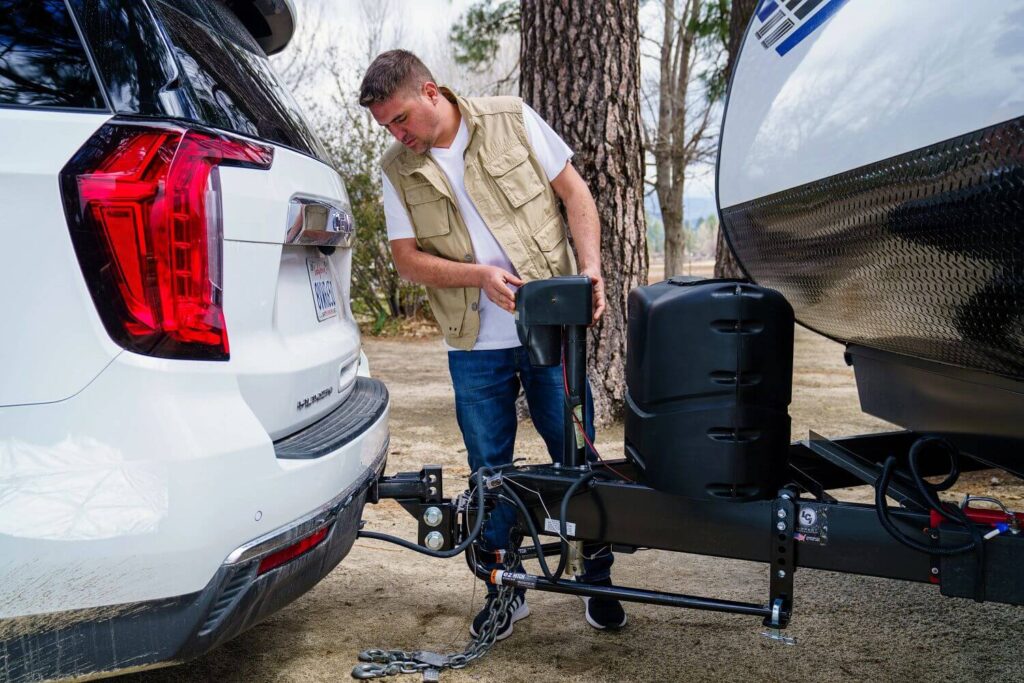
(550, 235)
(554, 246)
(428, 211)
(449, 307)
(515, 175)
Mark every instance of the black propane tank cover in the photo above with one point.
(709, 372)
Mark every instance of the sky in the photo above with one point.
(423, 25)
(421, 21)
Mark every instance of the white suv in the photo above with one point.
(187, 424)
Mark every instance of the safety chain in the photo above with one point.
(381, 663)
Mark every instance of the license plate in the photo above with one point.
(322, 285)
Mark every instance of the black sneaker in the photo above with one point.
(605, 614)
(517, 609)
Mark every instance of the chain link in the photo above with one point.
(383, 663)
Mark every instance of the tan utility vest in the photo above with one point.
(509, 188)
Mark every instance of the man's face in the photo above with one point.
(412, 117)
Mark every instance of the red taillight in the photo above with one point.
(303, 546)
(143, 203)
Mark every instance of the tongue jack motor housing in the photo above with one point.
(545, 309)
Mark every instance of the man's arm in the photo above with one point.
(433, 271)
(585, 228)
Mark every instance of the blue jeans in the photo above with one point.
(486, 386)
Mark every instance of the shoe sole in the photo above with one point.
(600, 627)
(518, 615)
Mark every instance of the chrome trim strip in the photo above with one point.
(324, 515)
(319, 222)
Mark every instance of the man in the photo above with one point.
(470, 196)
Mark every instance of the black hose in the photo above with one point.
(531, 527)
(952, 514)
(883, 516)
(442, 554)
(563, 555)
(563, 530)
(928, 490)
(954, 462)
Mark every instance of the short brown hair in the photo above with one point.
(390, 72)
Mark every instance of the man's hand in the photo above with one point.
(495, 283)
(594, 273)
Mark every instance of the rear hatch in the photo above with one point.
(274, 212)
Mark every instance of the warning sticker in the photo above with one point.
(552, 526)
(812, 523)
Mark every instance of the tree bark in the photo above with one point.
(739, 16)
(580, 69)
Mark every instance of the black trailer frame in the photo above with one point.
(803, 526)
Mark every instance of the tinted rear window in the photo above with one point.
(135, 65)
(232, 84)
(42, 61)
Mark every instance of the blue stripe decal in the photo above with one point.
(806, 28)
(764, 12)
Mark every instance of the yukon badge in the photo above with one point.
(315, 398)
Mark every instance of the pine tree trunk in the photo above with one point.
(739, 17)
(675, 234)
(580, 69)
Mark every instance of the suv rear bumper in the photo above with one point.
(135, 636)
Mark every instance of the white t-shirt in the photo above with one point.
(497, 326)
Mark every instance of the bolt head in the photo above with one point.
(935, 570)
(781, 526)
(782, 573)
(433, 516)
(434, 540)
(781, 513)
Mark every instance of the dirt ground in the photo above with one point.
(846, 627)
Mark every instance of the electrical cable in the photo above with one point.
(442, 554)
(547, 514)
(928, 491)
(540, 498)
(563, 530)
(562, 524)
(952, 514)
(881, 486)
(531, 527)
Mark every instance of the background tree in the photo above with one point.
(580, 69)
(682, 127)
(481, 34)
(739, 16)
